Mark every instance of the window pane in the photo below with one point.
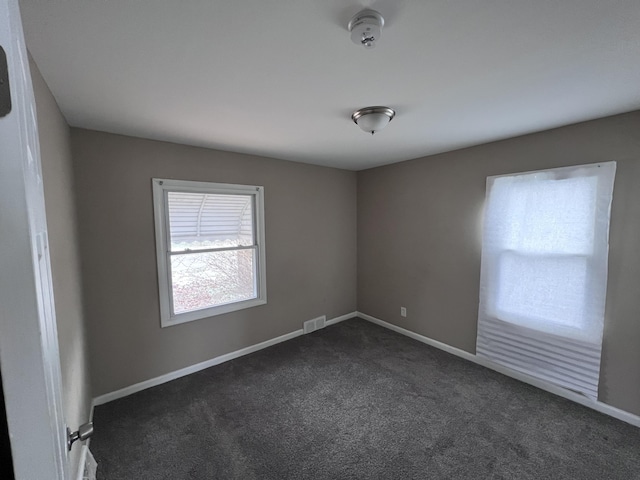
(203, 280)
(200, 221)
(546, 215)
(552, 290)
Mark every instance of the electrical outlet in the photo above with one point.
(403, 311)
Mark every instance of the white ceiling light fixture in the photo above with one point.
(372, 119)
(366, 27)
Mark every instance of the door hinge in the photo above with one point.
(5, 92)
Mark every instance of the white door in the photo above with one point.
(28, 338)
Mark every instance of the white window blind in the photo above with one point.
(544, 273)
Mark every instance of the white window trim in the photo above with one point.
(161, 217)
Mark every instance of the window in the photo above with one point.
(210, 248)
(544, 273)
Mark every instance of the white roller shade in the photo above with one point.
(544, 273)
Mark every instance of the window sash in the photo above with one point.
(255, 283)
(584, 325)
(252, 205)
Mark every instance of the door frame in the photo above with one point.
(29, 355)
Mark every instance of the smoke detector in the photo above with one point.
(365, 28)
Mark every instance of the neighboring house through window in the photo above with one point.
(210, 248)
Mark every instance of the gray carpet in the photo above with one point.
(356, 401)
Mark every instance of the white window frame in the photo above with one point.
(161, 187)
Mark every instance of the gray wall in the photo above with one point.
(419, 239)
(418, 246)
(310, 240)
(57, 175)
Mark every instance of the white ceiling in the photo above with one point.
(280, 78)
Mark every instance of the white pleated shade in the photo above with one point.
(543, 278)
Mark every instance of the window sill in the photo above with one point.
(211, 312)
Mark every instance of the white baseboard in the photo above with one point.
(421, 338)
(562, 392)
(167, 377)
(341, 318)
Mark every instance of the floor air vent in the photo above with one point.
(315, 324)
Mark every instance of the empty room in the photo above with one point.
(326, 239)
